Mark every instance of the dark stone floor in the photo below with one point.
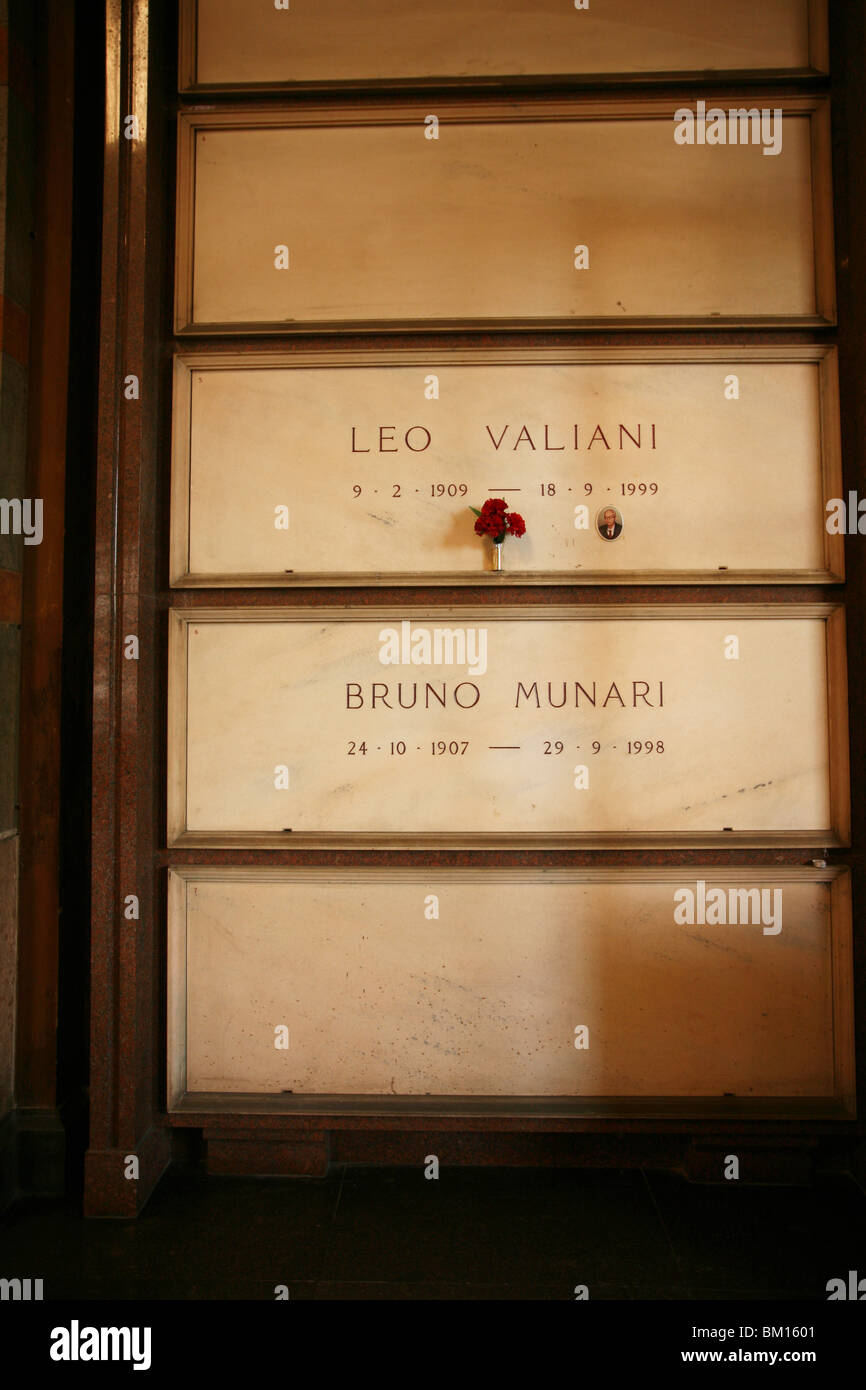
(475, 1233)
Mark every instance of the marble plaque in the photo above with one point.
(362, 467)
(695, 982)
(646, 724)
(529, 214)
(231, 43)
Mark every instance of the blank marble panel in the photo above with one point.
(381, 997)
(384, 227)
(234, 43)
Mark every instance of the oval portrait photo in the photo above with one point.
(609, 523)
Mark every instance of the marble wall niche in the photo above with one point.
(711, 724)
(473, 982)
(347, 217)
(361, 466)
(230, 43)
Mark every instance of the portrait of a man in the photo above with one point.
(609, 522)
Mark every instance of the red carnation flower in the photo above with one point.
(494, 520)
